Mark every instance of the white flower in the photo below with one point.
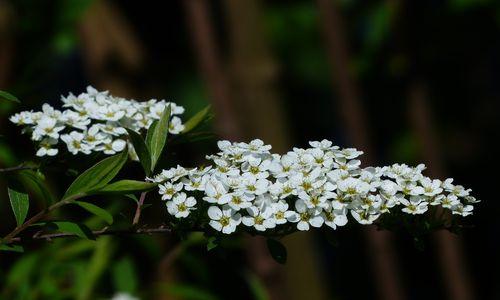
(364, 217)
(415, 206)
(334, 217)
(175, 126)
(47, 126)
(260, 220)
(124, 296)
(75, 142)
(46, 147)
(181, 205)
(168, 190)
(306, 216)
(110, 146)
(225, 220)
(239, 200)
(281, 213)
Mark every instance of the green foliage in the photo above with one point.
(124, 276)
(97, 176)
(157, 137)
(126, 186)
(34, 181)
(196, 120)
(256, 287)
(19, 202)
(189, 292)
(96, 210)
(13, 248)
(8, 96)
(79, 230)
(141, 149)
(212, 243)
(277, 250)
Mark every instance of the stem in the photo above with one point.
(104, 231)
(17, 168)
(138, 210)
(10, 237)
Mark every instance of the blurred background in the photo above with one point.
(404, 81)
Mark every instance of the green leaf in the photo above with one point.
(277, 250)
(126, 186)
(35, 182)
(158, 137)
(96, 210)
(97, 176)
(191, 292)
(13, 248)
(196, 119)
(20, 204)
(149, 134)
(79, 230)
(124, 276)
(9, 96)
(256, 287)
(141, 149)
(212, 243)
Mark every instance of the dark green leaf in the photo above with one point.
(141, 149)
(212, 243)
(184, 291)
(13, 248)
(124, 276)
(79, 230)
(125, 186)
(97, 176)
(34, 181)
(149, 134)
(9, 96)
(96, 210)
(20, 204)
(196, 120)
(158, 137)
(132, 197)
(277, 250)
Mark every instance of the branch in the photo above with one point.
(17, 168)
(104, 231)
(11, 236)
(138, 210)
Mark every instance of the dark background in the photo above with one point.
(404, 81)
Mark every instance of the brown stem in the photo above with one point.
(10, 237)
(104, 231)
(138, 210)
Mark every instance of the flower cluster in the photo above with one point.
(321, 185)
(93, 121)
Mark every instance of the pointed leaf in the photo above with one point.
(98, 175)
(96, 210)
(79, 230)
(20, 204)
(125, 276)
(35, 182)
(149, 134)
(277, 250)
(13, 248)
(141, 149)
(9, 96)
(196, 119)
(126, 186)
(159, 137)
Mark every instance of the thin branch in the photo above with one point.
(138, 210)
(39, 216)
(17, 168)
(104, 231)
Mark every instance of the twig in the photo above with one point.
(138, 210)
(17, 168)
(104, 231)
(10, 237)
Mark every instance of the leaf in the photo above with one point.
(256, 287)
(141, 149)
(126, 186)
(124, 276)
(35, 182)
(20, 204)
(196, 119)
(8, 96)
(96, 210)
(277, 250)
(97, 176)
(13, 248)
(149, 134)
(212, 243)
(158, 137)
(185, 291)
(79, 230)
